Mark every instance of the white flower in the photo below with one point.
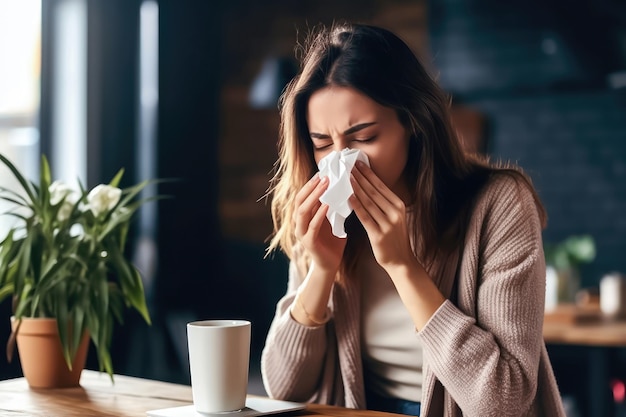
(65, 211)
(103, 198)
(59, 191)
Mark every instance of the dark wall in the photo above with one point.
(573, 144)
(112, 79)
(189, 79)
(487, 46)
(541, 81)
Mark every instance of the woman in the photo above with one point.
(433, 304)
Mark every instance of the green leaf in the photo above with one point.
(53, 277)
(130, 283)
(44, 184)
(37, 248)
(45, 173)
(104, 357)
(24, 296)
(117, 178)
(24, 257)
(102, 294)
(571, 252)
(26, 185)
(8, 280)
(35, 304)
(15, 199)
(581, 248)
(61, 314)
(140, 300)
(18, 216)
(93, 323)
(5, 291)
(78, 317)
(8, 249)
(116, 302)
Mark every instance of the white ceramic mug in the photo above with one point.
(219, 356)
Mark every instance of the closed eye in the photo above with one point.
(366, 140)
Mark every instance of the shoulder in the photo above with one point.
(506, 221)
(496, 183)
(507, 214)
(503, 236)
(506, 191)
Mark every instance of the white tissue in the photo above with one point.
(337, 167)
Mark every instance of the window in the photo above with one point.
(20, 52)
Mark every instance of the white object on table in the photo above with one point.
(613, 295)
(219, 356)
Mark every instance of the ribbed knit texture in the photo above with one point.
(483, 357)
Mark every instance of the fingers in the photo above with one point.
(306, 190)
(373, 202)
(308, 205)
(365, 208)
(315, 225)
(376, 188)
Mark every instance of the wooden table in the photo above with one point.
(600, 337)
(596, 333)
(128, 397)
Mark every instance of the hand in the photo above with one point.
(383, 215)
(313, 231)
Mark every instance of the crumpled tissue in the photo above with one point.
(337, 167)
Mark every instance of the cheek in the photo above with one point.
(388, 164)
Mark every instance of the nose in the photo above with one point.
(340, 144)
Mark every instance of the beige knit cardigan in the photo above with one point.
(484, 354)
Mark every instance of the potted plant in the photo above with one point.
(64, 259)
(563, 260)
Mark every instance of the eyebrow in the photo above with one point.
(349, 131)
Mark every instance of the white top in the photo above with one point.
(392, 352)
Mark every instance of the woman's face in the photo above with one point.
(342, 117)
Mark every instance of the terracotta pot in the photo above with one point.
(41, 355)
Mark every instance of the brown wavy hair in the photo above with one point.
(442, 178)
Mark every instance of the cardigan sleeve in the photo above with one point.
(486, 350)
(293, 358)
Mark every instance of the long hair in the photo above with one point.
(443, 179)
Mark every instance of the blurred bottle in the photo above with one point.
(613, 295)
(552, 289)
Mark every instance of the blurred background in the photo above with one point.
(188, 89)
